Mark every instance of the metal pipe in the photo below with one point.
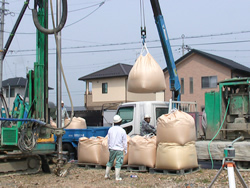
(1, 48)
(58, 81)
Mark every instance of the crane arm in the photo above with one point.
(174, 82)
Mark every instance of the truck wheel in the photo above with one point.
(71, 151)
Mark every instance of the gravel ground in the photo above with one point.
(81, 177)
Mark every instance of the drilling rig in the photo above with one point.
(27, 138)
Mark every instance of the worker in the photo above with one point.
(145, 128)
(65, 114)
(117, 143)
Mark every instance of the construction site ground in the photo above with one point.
(82, 177)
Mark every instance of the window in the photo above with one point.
(160, 111)
(126, 114)
(191, 83)
(182, 85)
(12, 92)
(104, 87)
(209, 82)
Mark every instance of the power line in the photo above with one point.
(84, 8)
(119, 44)
(75, 10)
(213, 35)
(224, 50)
(226, 42)
(102, 3)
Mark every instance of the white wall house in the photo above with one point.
(110, 86)
(11, 87)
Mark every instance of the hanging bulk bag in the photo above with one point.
(146, 76)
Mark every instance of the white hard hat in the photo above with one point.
(146, 116)
(117, 119)
(62, 102)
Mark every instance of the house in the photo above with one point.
(11, 87)
(108, 87)
(199, 73)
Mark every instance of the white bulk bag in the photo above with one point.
(142, 151)
(176, 127)
(89, 149)
(104, 153)
(76, 123)
(172, 156)
(146, 76)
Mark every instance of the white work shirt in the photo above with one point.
(117, 138)
(64, 113)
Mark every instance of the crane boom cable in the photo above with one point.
(143, 23)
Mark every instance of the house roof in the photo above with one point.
(14, 82)
(17, 82)
(223, 61)
(117, 70)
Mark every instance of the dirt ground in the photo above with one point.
(81, 177)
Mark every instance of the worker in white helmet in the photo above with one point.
(65, 114)
(117, 142)
(145, 128)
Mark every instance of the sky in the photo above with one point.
(100, 33)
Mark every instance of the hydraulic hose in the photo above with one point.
(60, 25)
(23, 119)
(217, 134)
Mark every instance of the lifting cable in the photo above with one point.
(143, 24)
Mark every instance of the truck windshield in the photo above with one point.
(126, 114)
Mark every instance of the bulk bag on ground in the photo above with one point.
(176, 127)
(146, 76)
(52, 123)
(172, 156)
(89, 149)
(76, 123)
(104, 153)
(142, 151)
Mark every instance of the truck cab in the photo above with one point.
(132, 114)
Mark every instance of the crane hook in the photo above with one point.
(59, 27)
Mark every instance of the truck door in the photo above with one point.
(127, 115)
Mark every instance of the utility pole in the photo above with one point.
(182, 47)
(2, 12)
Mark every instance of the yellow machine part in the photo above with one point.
(51, 139)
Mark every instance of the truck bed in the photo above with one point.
(74, 134)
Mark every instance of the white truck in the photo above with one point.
(133, 113)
